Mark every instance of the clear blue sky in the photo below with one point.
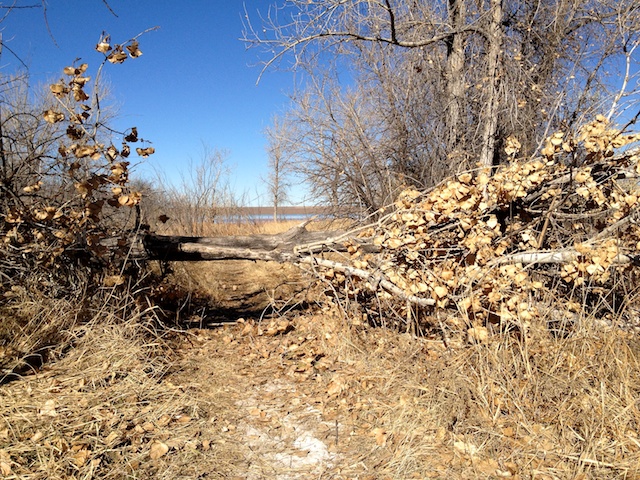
(195, 82)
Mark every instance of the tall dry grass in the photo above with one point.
(100, 408)
(536, 406)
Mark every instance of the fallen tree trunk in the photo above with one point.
(284, 247)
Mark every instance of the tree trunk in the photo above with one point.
(455, 79)
(494, 36)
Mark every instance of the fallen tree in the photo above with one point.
(487, 245)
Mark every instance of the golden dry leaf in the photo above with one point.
(79, 95)
(133, 49)
(58, 89)
(111, 153)
(548, 150)
(478, 335)
(583, 176)
(512, 146)
(113, 280)
(487, 466)
(81, 457)
(380, 436)
(439, 292)
(5, 463)
(446, 275)
(51, 116)
(465, 178)
(103, 45)
(158, 449)
(145, 152)
(13, 216)
(80, 81)
(44, 214)
(336, 386)
(465, 448)
(582, 248)
(394, 243)
(592, 269)
(117, 55)
(32, 188)
(82, 151)
(49, 409)
(119, 169)
(84, 188)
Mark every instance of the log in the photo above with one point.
(284, 247)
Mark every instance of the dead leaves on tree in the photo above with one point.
(477, 243)
(51, 216)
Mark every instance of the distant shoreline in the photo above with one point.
(283, 211)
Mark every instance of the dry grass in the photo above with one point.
(101, 409)
(539, 407)
(232, 402)
(235, 228)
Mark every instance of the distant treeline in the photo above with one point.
(284, 211)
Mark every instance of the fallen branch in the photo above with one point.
(375, 278)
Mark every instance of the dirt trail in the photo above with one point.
(268, 395)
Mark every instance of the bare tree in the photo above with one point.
(444, 82)
(277, 181)
(197, 200)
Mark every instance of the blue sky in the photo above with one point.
(195, 82)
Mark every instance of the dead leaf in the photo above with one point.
(336, 386)
(113, 280)
(380, 436)
(157, 450)
(51, 116)
(117, 55)
(478, 335)
(103, 44)
(145, 152)
(49, 409)
(465, 448)
(133, 49)
(132, 136)
(81, 457)
(59, 89)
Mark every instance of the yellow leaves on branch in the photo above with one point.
(592, 262)
(452, 244)
(145, 152)
(76, 71)
(512, 146)
(116, 54)
(52, 116)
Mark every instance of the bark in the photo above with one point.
(285, 247)
(494, 37)
(455, 76)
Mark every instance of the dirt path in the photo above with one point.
(275, 399)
